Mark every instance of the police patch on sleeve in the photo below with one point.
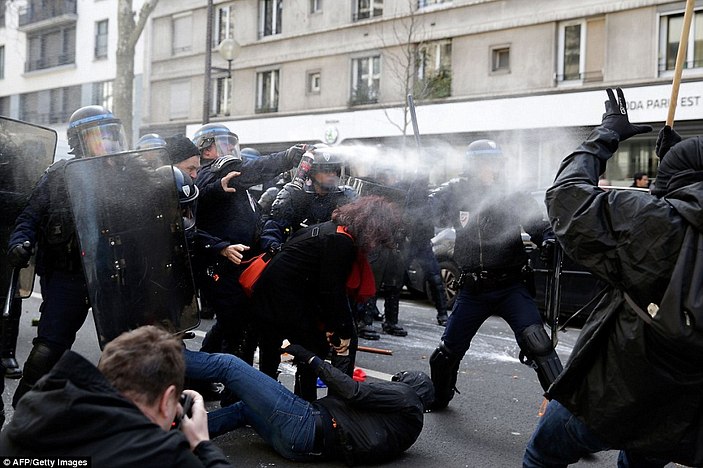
(463, 218)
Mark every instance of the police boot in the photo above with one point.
(39, 362)
(364, 326)
(391, 307)
(537, 352)
(444, 369)
(367, 332)
(439, 296)
(8, 341)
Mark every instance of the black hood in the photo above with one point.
(681, 166)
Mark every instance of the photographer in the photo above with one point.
(118, 414)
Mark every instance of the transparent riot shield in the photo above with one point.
(26, 150)
(132, 241)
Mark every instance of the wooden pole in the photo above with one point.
(368, 349)
(680, 60)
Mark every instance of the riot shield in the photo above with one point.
(26, 150)
(132, 242)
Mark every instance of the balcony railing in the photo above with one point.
(48, 62)
(33, 13)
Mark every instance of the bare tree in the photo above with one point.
(128, 32)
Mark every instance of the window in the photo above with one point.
(270, 14)
(267, 91)
(315, 6)
(102, 94)
(5, 105)
(669, 36)
(180, 100)
(62, 102)
(434, 64)
(221, 100)
(2, 62)
(51, 48)
(313, 82)
(182, 29)
(365, 9)
(366, 78)
(101, 39)
(3, 8)
(224, 24)
(500, 59)
(572, 43)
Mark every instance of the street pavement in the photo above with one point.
(487, 425)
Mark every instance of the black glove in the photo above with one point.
(19, 254)
(294, 154)
(615, 117)
(299, 353)
(665, 140)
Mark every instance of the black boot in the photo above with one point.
(39, 362)
(391, 307)
(439, 296)
(8, 341)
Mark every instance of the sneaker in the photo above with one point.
(394, 329)
(442, 318)
(368, 333)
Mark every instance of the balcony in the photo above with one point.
(56, 13)
(49, 62)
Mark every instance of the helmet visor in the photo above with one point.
(227, 145)
(108, 138)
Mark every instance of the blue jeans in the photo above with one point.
(284, 420)
(561, 439)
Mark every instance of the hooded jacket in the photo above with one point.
(74, 411)
(634, 377)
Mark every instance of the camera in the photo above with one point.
(186, 402)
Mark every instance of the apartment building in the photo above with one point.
(59, 55)
(335, 71)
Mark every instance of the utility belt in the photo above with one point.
(481, 281)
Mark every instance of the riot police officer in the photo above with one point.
(490, 252)
(227, 211)
(47, 224)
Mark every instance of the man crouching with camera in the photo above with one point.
(118, 414)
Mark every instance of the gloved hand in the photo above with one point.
(546, 251)
(19, 254)
(665, 140)
(299, 353)
(294, 154)
(615, 117)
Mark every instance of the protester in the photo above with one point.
(183, 154)
(302, 294)
(357, 422)
(634, 381)
(118, 414)
(640, 180)
(495, 279)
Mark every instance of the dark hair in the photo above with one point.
(143, 363)
(638, 175)
(372, 220)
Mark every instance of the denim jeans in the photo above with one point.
(284, 420)
(561, 439)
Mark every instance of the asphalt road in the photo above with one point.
(487, 425)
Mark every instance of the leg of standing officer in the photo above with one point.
(63, 311)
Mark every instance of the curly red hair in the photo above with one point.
(372, 221)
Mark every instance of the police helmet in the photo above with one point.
(95, 131)
(484, 156)
(150, 140)
(187, 192)
(226, 142)
(250, 154)
(326, 160)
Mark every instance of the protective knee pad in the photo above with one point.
(39, 362)
(444, 367)
(536, 345)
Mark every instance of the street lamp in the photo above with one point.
(229, 50)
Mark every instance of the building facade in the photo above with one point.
(529, 74)
(59, 55)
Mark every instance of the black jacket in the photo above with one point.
(636, 388)
(488, 222)
(74, 411)
(375, 421)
